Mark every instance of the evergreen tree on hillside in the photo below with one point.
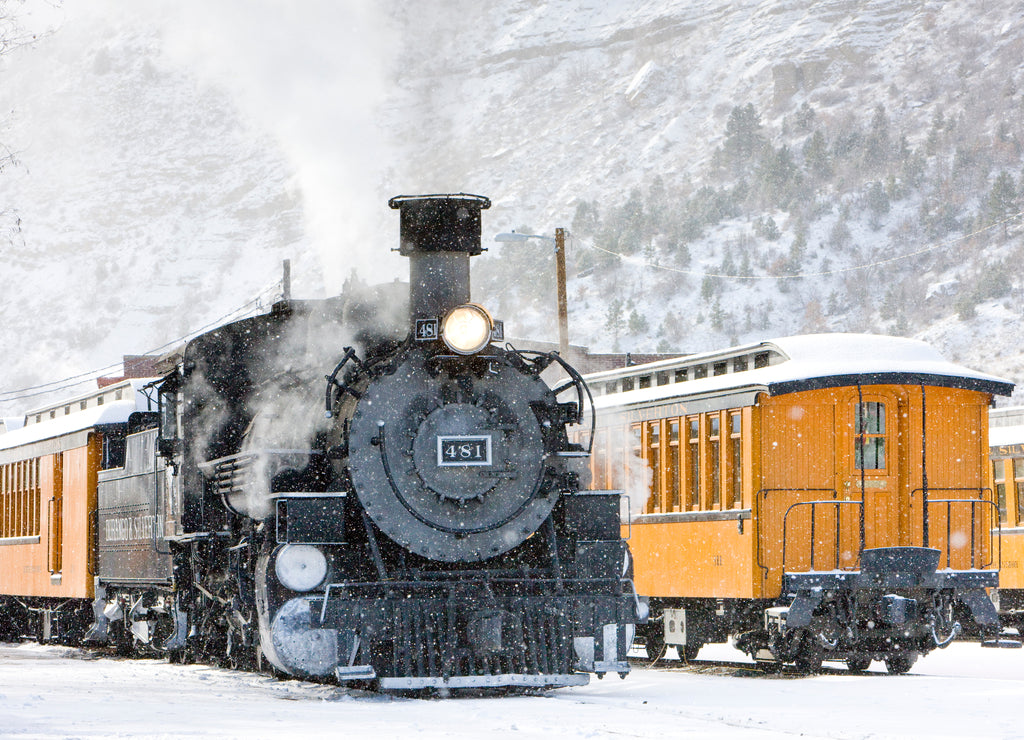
(586, 221)
(877, 201)
(1002, 200)
(744, 138)
(877, 146)
(817, 160)
(778, 177)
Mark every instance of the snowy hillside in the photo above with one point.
(573, 102)
(169, 157)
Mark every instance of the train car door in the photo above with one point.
(869, 463)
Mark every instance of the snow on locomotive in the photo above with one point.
(419, 520)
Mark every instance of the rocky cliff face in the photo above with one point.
(547, 105)
(169, 160)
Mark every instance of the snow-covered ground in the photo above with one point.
(963, 691)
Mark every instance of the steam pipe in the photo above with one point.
(439, 233)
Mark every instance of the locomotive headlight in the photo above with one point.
(467, 329)
(300, 567)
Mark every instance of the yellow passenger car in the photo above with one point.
(49, 463)
(815, 498)
(1006, 451)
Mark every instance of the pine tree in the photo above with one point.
(878, 203)
(805, 117)
(586, 221)
(1002, 200)
(613, 320)
(816, 157)
(637, 322)
(782, 178)
(877, 146)
(743, 137)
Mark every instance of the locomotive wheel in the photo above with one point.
(899, 663)
(124, 642)
(809, 662)
(179, 657)
(858, 665)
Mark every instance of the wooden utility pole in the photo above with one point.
(563, 304)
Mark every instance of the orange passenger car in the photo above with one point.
(1006, 450)
(815, 498)
(49, 463)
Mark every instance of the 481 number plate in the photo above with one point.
(463, 450)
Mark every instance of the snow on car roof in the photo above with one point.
(791, 364)
(1006, 426)
(1005, 436)
(110, 412)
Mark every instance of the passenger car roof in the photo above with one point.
(797, 363)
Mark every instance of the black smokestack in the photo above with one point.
(439, 233)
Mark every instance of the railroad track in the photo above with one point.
(732, 668)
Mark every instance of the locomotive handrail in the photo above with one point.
(973, 502)
(92, 555)
(763, 494)
(813, 539)
(332, 380)
(575, 379)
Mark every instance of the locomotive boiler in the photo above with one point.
(353, 490)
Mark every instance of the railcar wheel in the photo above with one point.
(654, 644)
(858, 665)
(899, 663)
(14, 622)
(689, 651)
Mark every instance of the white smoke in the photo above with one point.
(280, 437)
(314, 76)
(639, 483)
(288, 412)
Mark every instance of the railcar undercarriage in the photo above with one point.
(898, 607)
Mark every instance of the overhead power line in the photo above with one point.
(73, 380)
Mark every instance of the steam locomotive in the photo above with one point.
(348, 490)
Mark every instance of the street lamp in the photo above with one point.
(563, 305)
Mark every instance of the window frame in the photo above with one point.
(735, 467)
(999, 486)
(862, 437)
(1017, 469)
(693, 466)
